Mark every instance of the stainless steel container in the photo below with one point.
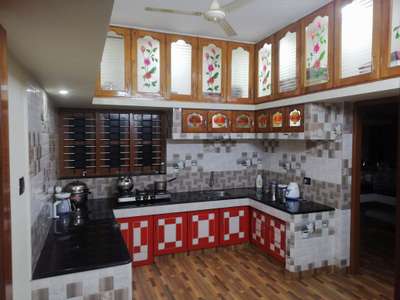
(125, 184)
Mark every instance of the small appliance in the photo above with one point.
(61, 204)
(79, 196)
(292, 192)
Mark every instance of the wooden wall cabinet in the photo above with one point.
(390, 56)
(148, 63)
(243, 121)
(265, 61)
(219, 121)
(357, 41)
(262, 121)
(288, 58)
(194, 121)
(277, 119)
(114, 78)
(295, 118)
(181, 61)
(212, 63)
(317, 30)
(240, 75)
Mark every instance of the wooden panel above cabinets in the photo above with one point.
(219, 121)
(148, 63)
(240, 74)
(114, 78)
(265, 70)
(277, 119)
(194, 121)
(262, 121)
(243, 121)
(288, 60)
(181, 58)
(212, 70)
(295, 118)
(317, 31)
(357, 41)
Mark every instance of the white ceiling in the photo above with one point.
(252, 22)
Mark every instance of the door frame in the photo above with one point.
(5, 210)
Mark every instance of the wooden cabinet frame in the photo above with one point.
(295, 27)
(220, 44)
(234, 127)
(249, 48)
(125, 32)
(327, 10)
(194, 43)
(376, 33)
(268, 40)
(135, 35)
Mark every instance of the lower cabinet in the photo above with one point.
(258, 232)
(276, 238)
(170, 233)
(203, 229)
(234, 225)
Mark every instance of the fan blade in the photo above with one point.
(235, 5)
(227, 27)
(174, 11)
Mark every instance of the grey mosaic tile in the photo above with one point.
(106, 284)
(40, 294)
(74, 289)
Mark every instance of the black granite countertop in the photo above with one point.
(301, 207)
(97, 244)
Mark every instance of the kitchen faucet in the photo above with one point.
(211, 182)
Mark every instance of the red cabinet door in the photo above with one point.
(234, 225)
(277, 238)
(258, 234)
(203, 229)
(170, 233)
(141, 232)
(124, 227)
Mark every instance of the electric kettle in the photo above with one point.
(293, 191)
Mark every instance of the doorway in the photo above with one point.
(375, 190)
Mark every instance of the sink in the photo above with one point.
(216, 194)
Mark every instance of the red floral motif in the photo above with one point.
(150, 64)
(213, 67)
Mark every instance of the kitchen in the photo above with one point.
(151, 161)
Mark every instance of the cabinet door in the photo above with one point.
(170, 233)
(288, 61)
(277, 238)
(278, 119)
(234, 225)
(391, 38)
(181, 67)
(265, 60)
(194, 121)
(148, 55)
(242, 121)
(141, 230)
(203, 229)
(219, 121)
(357, 47)
(262, 121)
(114, 78)
(240, 73)
(317, 57)
(258, 234)
(212, 70)
(295, 118)
(124, 227)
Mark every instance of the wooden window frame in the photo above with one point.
(135, 35)
(249, 48)
(259, 45)
(295, 27)
(235, 114)
(193, 41)
(186, 129)
(220, 44)
(376, 33)
(327, 10)
(125, 32)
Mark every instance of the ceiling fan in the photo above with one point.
(216, 13)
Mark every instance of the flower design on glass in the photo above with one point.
(264, 76)
(295, 118)
(396, 31)
(149, 66)
(262, 121)
(195, 120)
(277, 120)
(213, 71)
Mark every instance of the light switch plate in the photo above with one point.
(21, 186)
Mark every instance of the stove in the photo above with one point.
(138, 197)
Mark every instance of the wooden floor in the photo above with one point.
(245, 273)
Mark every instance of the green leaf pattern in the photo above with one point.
(149, 63)
(316, 60)
(264, 73)
(212, 65)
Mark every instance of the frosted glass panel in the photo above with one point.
(265, 71)
(395, 37)
(287, 63)
(211, 70)
(240, 73)
(181, 68)
(317, 51)
(112, 69)
(357, 24)
(148, 65)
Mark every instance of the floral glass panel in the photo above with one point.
(287, 63)
(265, 71)
(295, 118)
(148, 65)
(240, 73)
(212, 70)
(219, 121)
(112, 70)
(357, 26)
(243, 121)
(277, 120)
(317, 51)
(181, 68)
(195, 120)
(262, 121)
(395, 34)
